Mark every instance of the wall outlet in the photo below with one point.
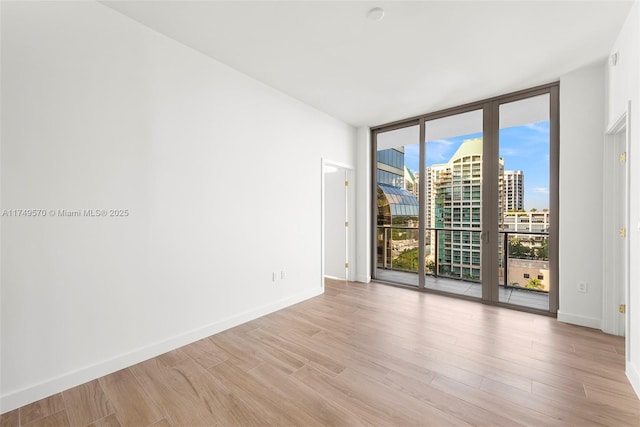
(274, 276)
(282, 275)
(582, 287)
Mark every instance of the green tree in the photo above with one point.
(534, 283)
(543, 251)
(399, 234)
(430, 266)
(518, 250)
(407, 260)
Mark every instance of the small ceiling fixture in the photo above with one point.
(376, 14)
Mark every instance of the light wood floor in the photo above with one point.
(366, 355)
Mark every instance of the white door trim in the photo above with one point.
(615, 269)
(350, 217)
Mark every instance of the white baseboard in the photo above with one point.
(63, 382)
(633, 373)
(363, 278)
(575, 319)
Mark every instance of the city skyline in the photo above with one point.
(524, 147)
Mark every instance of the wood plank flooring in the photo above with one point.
(365, 355)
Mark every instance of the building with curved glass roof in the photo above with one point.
(396, 206)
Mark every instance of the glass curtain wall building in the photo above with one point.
(397, 212)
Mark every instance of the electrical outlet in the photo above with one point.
(582, 286)
(274, 276)
(282, 275)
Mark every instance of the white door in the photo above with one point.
(336, 258)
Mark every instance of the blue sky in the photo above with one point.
(524, 148)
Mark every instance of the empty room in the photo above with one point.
(389, 213)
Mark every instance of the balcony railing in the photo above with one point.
(455, 253)
(526, 262)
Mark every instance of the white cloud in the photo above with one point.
(509, 152)
(440, 150)
(542, 127)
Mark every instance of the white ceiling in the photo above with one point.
(422, 57)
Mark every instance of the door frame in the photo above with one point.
(612, 291)
(349, 217)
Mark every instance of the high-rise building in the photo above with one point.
(454, 203)
(532, 221)
(514, 190)
(410, 181)
(390, 167)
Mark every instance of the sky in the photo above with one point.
(524, 148)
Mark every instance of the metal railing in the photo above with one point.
(529, 257)
(455, 253)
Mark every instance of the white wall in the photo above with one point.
(363, 205)
(219, 173)
(586, 96)
(623, 86)
(582, 103)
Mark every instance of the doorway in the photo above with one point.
(616, 223)
(337, 221)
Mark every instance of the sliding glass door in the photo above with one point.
(453, 222)
(524, 183)
(466, 200)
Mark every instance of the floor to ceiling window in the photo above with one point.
(523, 226)
(466, 200)
(397, 211)
(453, 184)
